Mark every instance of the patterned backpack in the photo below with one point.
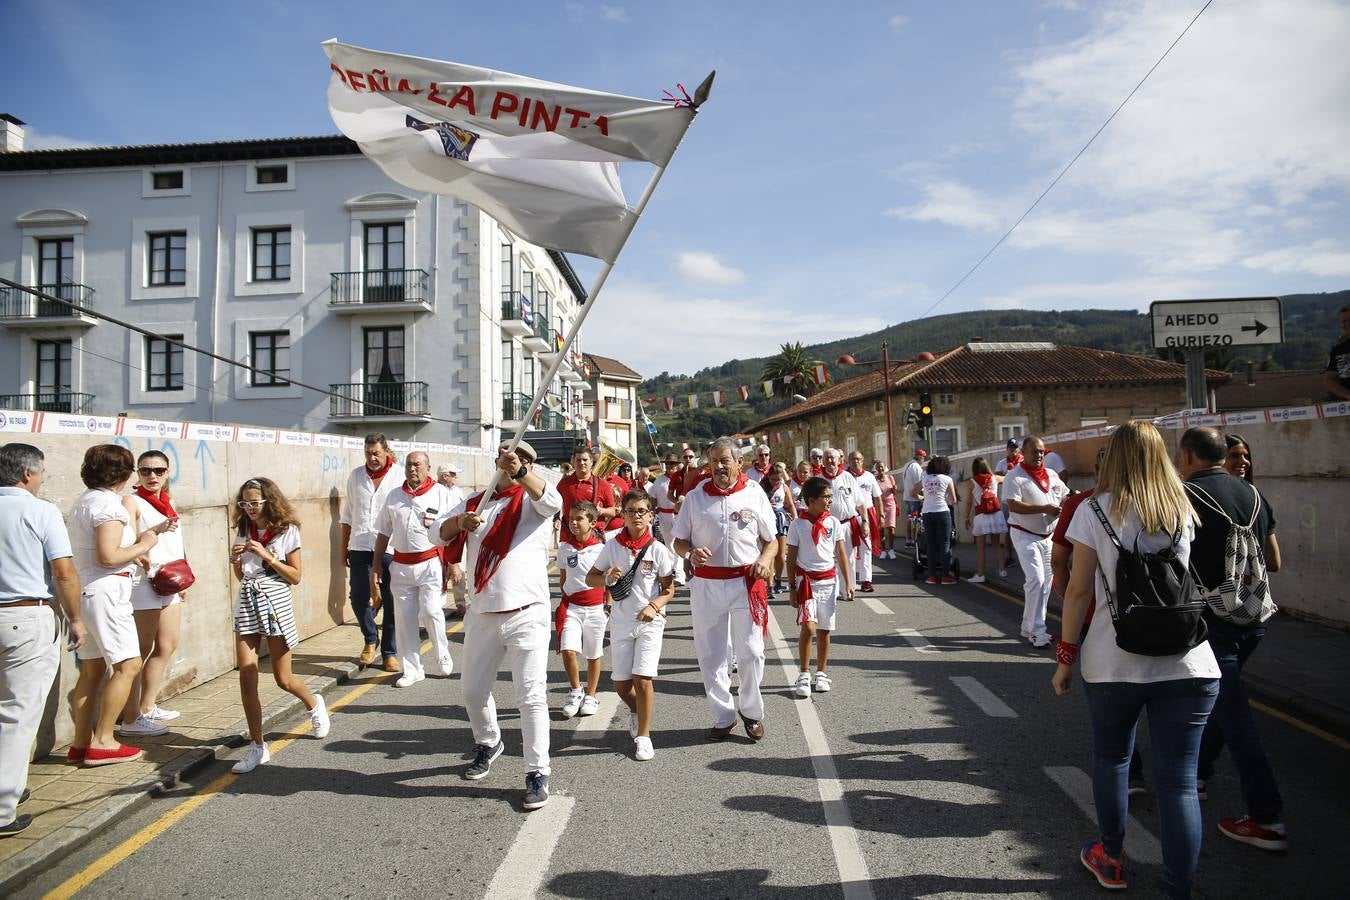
(1243, 596)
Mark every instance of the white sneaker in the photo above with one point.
(162, 715)
(822, 685)
(444, 667)
(642, 749)
(1040, 640)
(632, 724)
(318, 717)
(573, 704)
(257, 755)
(803, 688)
(143, 726)
(589, 705)
(408, 679)
(976, 579)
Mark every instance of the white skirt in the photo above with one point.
(989, 523)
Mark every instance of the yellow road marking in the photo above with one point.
(105, 863)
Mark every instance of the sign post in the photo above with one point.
(1193, 326)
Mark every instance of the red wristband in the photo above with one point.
(1066, 653)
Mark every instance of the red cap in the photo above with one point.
(920, 453)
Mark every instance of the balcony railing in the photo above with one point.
(515, 306)
(381, 399)
(544, 332)
(16, 304)
(514, 407)
(380, 286)
(49, 401)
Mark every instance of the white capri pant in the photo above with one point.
(417, 599)
(522, 638)
(584, 630)
(109, 621)
(717, 605)
(1033, 555)
(635, 646)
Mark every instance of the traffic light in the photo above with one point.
(925, 410)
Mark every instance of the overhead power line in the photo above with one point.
(998, 243)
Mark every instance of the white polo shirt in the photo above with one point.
(405, 518)
(522, 577)
(815, 556)
(734, 527)
(362, 504)
(31, 535)
(575, 563)
(847, 495)
(1018, 485)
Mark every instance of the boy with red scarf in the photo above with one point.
(580, 620)
(817, 556)
(728, 533)
(415, 573)
(1033, 494)
(506, 532)
(638, 621)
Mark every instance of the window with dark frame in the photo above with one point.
(272, 174)
(53, 377)
(270, 352)
(271, 254)
(168, 258)
(167, 181)
(164, 363)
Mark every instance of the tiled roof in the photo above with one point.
(607, 366)
(988, 369)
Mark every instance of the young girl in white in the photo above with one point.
(266, 560)
(580, 620)
(638, 621)
(819, 559)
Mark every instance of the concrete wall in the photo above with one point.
(206, 476)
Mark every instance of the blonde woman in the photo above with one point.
(1140, 495)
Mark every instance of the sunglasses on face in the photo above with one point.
(251, 504)
(147, 471)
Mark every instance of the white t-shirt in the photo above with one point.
(660, 494)
(362, 504)
(869, 491)
(93, 508)
(847, 496)
(935, 489)
(755, 474)
(1054, 462)
(1018, 485)
(733, 527)
(815, 556)
(779, 498)
(280, 546)
(657, 564)
(575, 563)
(1102, 660)
(405, 518)
(909, 476)
(1001, 467)
(522, 577)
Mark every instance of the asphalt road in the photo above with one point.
(940, 765)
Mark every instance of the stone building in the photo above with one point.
(983, 393)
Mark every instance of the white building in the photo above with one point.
(297, 255)
(612, 404)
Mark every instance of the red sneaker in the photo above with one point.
(76, 754)
(1246, 831)
(931, 580)
(1110, 873)
(122, 753)
(947, 579)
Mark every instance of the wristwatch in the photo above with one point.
(521, 472)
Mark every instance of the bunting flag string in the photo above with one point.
(819, 374)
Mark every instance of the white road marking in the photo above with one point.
(916, 640)
(984, 698)
(1139, 844)
(877, 606)
(848, 857)
(522, 871)
(604, 715)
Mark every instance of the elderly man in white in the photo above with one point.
(1033, 494)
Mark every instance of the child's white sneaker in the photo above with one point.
(573, 704)
(257, 755)
(803, 689)
(318, 718)
(642, 749)
(589, 705)
(822, 685)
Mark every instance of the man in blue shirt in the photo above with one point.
(33, 539)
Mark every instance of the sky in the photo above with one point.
(855, 160)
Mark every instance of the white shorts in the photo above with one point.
(143, 597)
(584, 630)
(989, 523)
(635, 646)
(822, 605)
(109, 626)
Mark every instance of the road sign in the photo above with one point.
(1199, 324)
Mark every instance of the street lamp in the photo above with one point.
(885, 364)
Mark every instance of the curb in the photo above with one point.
(28, 864)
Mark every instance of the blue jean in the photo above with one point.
(937, 531)
(1233, 724)
(1177, 711)
(358, 569)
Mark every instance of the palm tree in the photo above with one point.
(791, 361)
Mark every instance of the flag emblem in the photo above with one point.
(457, 142)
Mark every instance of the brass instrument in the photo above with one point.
(611, 457)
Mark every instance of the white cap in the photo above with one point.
(443, 468)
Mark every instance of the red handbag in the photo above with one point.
(172, 578)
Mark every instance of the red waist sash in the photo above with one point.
(756, 589)
(412, 559)
(588, 597)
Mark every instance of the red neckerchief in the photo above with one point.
(570, 540)
(817, 470)
(1038, 475)
(857, 474)
(800, 483)
(634, 544)
(497, 542)
(421, 488)
(265, 538)
(1014, 462)
(831, 478)
(817, 524)
(713, 490)
(984, 481)
(388, 464)
(674, 482)
(762, 469)
(161, 502)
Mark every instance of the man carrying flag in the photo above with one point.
(507, 530)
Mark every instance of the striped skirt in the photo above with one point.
(264, 608)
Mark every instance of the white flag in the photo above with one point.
(541, 158)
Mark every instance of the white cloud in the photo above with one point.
(580, 12)
(1125, 293)
(950, 203)
(705, 268)
(613, 13)
(898, 23)
(1326, 258)
(1167, 238)
(40, 140)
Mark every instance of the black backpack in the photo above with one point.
(1155, 610)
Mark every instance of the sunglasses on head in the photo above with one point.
(153, 470)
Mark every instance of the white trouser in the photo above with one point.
(30, 653)
(715, 605)
(850, 553)
(862, 567)
(668, 538)
(417, 600)
(521, 637)
(1033, 555)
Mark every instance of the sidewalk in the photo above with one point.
(1301, 668)
(71, 804)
